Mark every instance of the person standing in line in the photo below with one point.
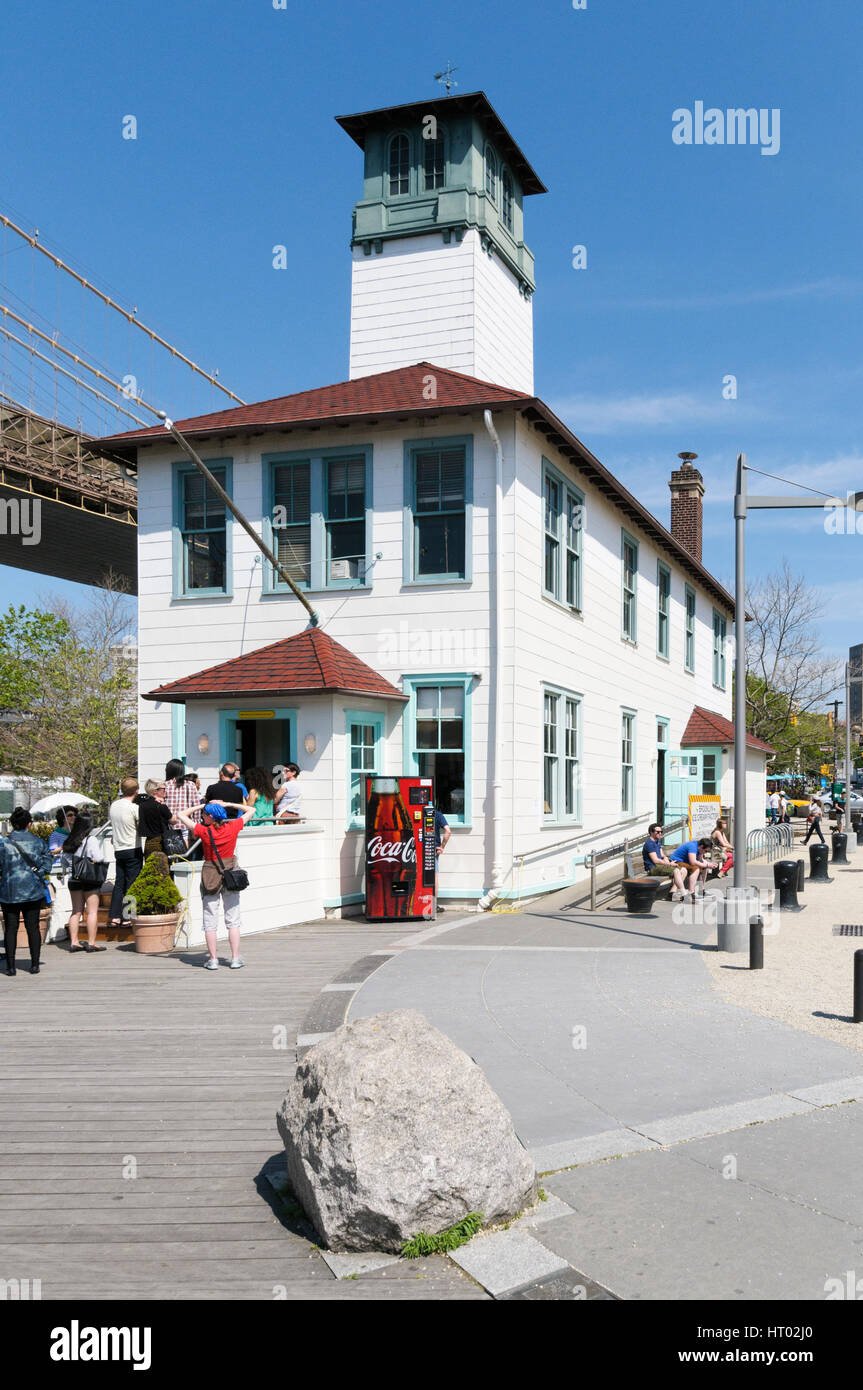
(82, 844)
(813, 820)
(153, 815)
(227, 791)
(261, 794)
(181, 794)
(128, 855)
(25, 863)
(288, 800)
(218, 835)
(442, 835)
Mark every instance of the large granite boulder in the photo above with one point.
(390, 1129)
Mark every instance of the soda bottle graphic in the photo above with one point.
(391, 863)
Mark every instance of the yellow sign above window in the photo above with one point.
(256, 714)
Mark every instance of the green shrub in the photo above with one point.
(43, 828)
(154, 892)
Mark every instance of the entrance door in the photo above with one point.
(660, 784)
(682, 780)
(257, 741)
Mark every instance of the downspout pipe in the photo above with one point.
(492, 893)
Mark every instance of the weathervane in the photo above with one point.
(446, 76)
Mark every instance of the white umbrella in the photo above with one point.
(58, 799)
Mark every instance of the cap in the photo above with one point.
(215, 812)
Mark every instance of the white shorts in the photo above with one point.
(230, 906)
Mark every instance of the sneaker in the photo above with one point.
(212, 964)
(236, 964)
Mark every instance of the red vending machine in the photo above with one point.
(400, 848)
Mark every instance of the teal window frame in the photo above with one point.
(179, 472)
(398, 135)
(567, 543)
(720, 635)
(507, 201)
(410, 685)
(492, 174)
(411, 448)
(319, 568)
(689, 621)
(558, 759)
(178, 732)
(366, 718)
(227, 752)
(663, 615)
(627, 802)
(441, 141)
(626, 540)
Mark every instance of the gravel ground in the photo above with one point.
(807, 980)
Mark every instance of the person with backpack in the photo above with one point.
(88, 869)
(218, 836)
(25, 863)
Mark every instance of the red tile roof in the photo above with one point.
(706, 727)
(399, 392)
(309, 664)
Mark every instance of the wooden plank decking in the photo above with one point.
(117, 1063)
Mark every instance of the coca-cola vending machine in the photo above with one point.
(400, 848)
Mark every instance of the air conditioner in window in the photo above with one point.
(344, 569)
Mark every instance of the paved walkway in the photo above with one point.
(138, 1098)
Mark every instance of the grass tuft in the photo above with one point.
(450, 1239)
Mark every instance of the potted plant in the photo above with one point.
(155, 899)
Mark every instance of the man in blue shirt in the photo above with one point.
(690, 857)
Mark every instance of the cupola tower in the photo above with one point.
(441, 272)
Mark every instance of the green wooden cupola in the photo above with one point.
(443, 166)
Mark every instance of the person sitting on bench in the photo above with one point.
(690, 857)
(656, 862)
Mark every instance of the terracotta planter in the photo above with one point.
(154, 936)
(44, 923)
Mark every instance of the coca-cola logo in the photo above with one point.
(392, 851)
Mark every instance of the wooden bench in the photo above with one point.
(634, 868)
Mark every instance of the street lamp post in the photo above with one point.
(743, 503)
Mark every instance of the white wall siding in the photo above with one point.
(422, 300)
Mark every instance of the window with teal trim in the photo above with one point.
(563, 513)
(346, 518)
(719, 631)
(490, 173)
(629, 551)
(203, 531)
(364, 736)
(689, 631)
(434, 164)
(399, 166)
(438, 738)
(506, 200)
(292, 530)
(439, 512)
(663, 609)
(561, 755)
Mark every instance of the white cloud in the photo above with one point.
(617, 414)
(827, 288)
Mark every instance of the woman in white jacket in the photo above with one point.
(85, 856)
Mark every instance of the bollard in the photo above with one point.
(859, 828)
(756, 944)
(858, 986)
(818, 855)
(801, 875)
(840, 844)
(785, 879)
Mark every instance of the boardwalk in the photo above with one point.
(120, 1064)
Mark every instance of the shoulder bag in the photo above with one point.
(233, 880)
(90, 873)
(173, 842)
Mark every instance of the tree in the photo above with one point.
(787, 673)
(81, 715)
(28, 641)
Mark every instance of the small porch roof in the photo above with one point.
(311, 663)
(707, 726)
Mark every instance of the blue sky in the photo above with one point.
(703, 261)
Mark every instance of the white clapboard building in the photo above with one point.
(494, 609)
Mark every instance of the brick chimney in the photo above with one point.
(687, 490)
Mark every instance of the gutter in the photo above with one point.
(492, 894)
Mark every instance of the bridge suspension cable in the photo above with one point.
(34, 352)
(35, 244)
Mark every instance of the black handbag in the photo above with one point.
(88, 872)
(173, 842)
(233, 880)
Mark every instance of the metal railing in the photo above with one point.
(618, 851)
(769, 840)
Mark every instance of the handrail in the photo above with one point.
(583, 835)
